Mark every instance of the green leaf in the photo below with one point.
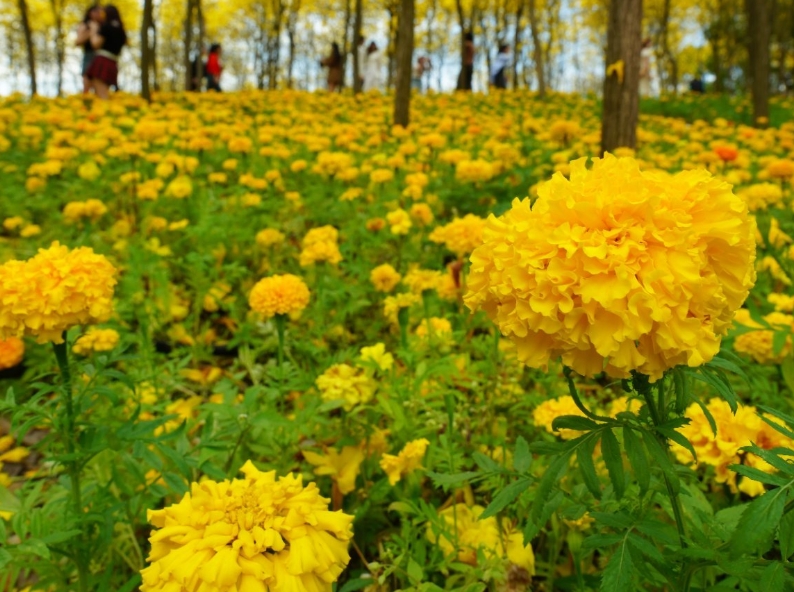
(785, 535)
(779, 339)
(614, 461)
(757, 524)
(522, 457)
(617, 575)
(638, 459)
(134, 582)
(505, 497)
(658, 531)
(175, 483)
(36, 547)
(787, 370)
(550, 478)
(573, 422)
(357, 584)
(454, 480)
(774, 578)
(584, 457)
(415, 571)
(486, 463)
(717, 380)
(660, 457)
(720, 362)
(616, 520)
(679, 439)
(681, 386)
(646, 548)
(5, 558)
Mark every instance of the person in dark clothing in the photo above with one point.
(214, 68)
(696, 85)
(107, 39)
(93, 14)
(197, 72)
(467, 66)
(334, 64)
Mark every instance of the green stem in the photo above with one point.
(658, 412)
(70, 436)
(575, 396)
(280, 322)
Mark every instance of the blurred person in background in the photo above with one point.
(499, 67)
(107, 38)
(373, 72)
(83, 39)
(214, 67)
(467, 65)
(334, 64)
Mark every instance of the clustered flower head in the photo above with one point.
(54, 291)
(463, 534)
(96, 340)
(320, 244)
(406, 462)
(722, 449)
(346, 383)
(269, 237)
(92, 209)
(461, 236)
(384, 277)
(253, 534)
(12, 351)
(759, 344)
(762, 195)
(393, 304)
(279, 295)
(617, 269)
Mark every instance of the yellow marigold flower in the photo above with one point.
(321, 234)
(564, 131)
(422, 213)
(622, 404)
(420, 280)
(435, 327)
(617, 269)
(781, 169)
(53, 291)
(269, 237)
(13, 222)
(474, 171)
(179, 224)
(375, 224)
(320, 251)
(777, 237)
(461, 236)
(203, 376)
(12, 351)
(255, 534)
(399, 220)
(343, 467)
(240, 144)
(393, 304)
(298, 166)
(230, 164)
(549, 410)
(762, 195)
(771, 265)
(33, 184)
(723, 449)
(180, 188)
(384, 278)
(782, 302)
(343, 382)
(759, 345)
(93, 209)
(250, 200)
(377, 354)
(96, 340)
(149, 190)
(406, 462)
(279, 295)
(381, 176)
(217, 178)
(30, 230)
(89, 171)
(351, 194)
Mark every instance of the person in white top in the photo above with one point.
(361, 50)
(499, 67)
(373, 72)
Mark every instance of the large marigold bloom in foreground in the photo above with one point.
(617, 269)
(255, 534)
(53, 291)
(279, 294)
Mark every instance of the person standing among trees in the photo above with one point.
(373, 72)
(499, 66)
(467, 65)
(645, 69)
(214, 68)
(93, 14)
(197, 71)
(334, 64)
(362, 60)
(107, 38)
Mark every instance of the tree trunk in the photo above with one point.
(147, 51)
(516, 42)
(188, 47)
(357, 41)
(537, 49)
(758, 49)
(392, 44)
(621, 97)
(23, 12)
(405, 52)
(60, 49)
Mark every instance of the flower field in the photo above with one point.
(265, 341)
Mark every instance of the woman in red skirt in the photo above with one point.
(107, 38)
